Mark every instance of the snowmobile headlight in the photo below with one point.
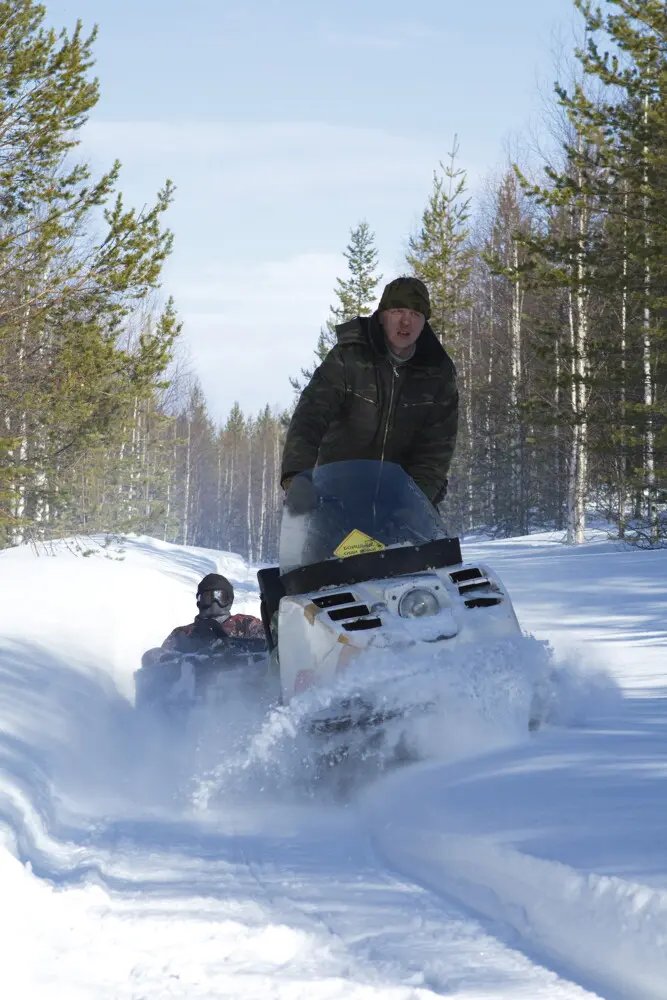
(419, 603)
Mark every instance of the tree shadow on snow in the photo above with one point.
(610, 584)
(72, 750)
(591, 798)
(193, 563)
(85, 779)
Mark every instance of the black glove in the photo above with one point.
(158, 655)
(441, 494)
(301, 495)
(204, 628)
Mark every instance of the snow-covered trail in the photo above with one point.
(183, 909)
(472, 878)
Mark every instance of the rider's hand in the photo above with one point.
(441, 494)
(301, 495)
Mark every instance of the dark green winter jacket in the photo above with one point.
(360, 405)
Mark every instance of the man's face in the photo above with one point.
(402, 327)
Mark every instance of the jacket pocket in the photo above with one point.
(364, 397)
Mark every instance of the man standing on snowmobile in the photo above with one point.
(214, 623)
(387, 391)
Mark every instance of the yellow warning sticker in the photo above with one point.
(356, 544)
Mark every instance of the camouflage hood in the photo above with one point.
(429, 352)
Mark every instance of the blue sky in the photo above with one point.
(283, 123)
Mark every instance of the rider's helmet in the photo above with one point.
(215, 595)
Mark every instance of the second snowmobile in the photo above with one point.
(175, 681)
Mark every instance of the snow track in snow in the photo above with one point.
(133, 907)
(607, 932)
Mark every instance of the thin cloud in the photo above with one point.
(264, 161)
(363, 41)
(251, 327)
(397, 36)
(234, 147)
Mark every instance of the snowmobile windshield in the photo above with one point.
(352, 508)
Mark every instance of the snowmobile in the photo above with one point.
(176, 681)
(366, 564)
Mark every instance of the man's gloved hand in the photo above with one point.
(158, 655)
(204, 628)
(441, 494)
(301, 495)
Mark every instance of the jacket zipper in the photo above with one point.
(391, 401)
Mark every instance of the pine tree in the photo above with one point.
(605, 249)
(74, 265)
(633, 196)
(355, 293)
(96, 484)
(563, 257)
(440, 253)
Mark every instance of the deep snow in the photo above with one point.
(139, 859)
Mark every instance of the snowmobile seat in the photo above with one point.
(271, 592)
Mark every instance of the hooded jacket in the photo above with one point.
(361, 404)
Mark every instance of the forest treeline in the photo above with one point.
(549, 291)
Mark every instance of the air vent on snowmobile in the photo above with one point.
(468, 580)
(462, 575)
(483, 602)
(465, 588)
(338, 614)
(362, 624)
(332, 600)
